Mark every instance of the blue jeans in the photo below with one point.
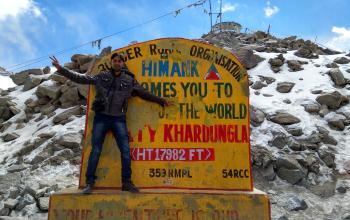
(102, 124)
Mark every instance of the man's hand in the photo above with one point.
(168, 103)
(55, 62)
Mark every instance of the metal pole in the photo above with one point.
(220, 15)
(211, 17)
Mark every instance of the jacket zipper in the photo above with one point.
(110, 101)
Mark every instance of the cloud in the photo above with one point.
(229, 7)
(341, 41)
(270, 10)
(19, 24)
(17, 8)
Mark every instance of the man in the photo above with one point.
(113, 89)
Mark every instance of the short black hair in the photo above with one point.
(117, 55)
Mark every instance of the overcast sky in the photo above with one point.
(31, 29)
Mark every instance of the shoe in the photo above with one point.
(130, 187)
(88, 189)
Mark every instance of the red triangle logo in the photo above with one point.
(212, 74)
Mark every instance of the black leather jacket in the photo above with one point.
(112, 92)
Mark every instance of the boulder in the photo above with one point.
(10, 203)
(248, 58)
(337, 77)
(4, 100)
(312, 163)
(30, 189)
(49, 89)
(327, 157)
(58, 78)
(75, 57)
(14, 110)
(267, 79)
(8, 180)
(44, 203)
(292, 176)
(341, 60)
(16, 168)
(324, 190)
(277, 61)
(14, 192)
(332, 65)
(260, 35)
(294, 145)
(328, 51)
(346, 216)
(323, 110)
(283, 217)
(31, 82)
(35, 72)
(87, 59)
(71, 65)
(85, 67)
(295, 131)
(70, 97)
(261, 156)
(47, 135)
(19, 78)
(43, 101)
(105, 51)
(326, 137)
(312, 107)
(10, 137)
(316, 91)
(258, 85)
(285, 87)
(82, 89)
(313, 138)
(336, 121)
(269, 173)
(283, 118)
(342, 187)
(257, 116)
(279, 140)
(294, 65)
(288, 163)
(27, 199)
(67, 114)
(47, 109)
(70, 140)
(306, 52)
(287, 101)
(290, 170)
(4, 211)
(293, 203)
(332, 100)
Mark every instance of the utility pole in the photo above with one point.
(219, 15)
(211, 17)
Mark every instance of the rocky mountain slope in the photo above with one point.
(300, 117)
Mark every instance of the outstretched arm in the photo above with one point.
(144, 94)
(74, 76)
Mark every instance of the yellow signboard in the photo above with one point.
(201, 142)
(148, 206)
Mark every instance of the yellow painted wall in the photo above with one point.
(165, 206)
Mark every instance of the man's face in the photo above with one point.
(117, 63)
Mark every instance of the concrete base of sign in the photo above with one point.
(159, 204)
